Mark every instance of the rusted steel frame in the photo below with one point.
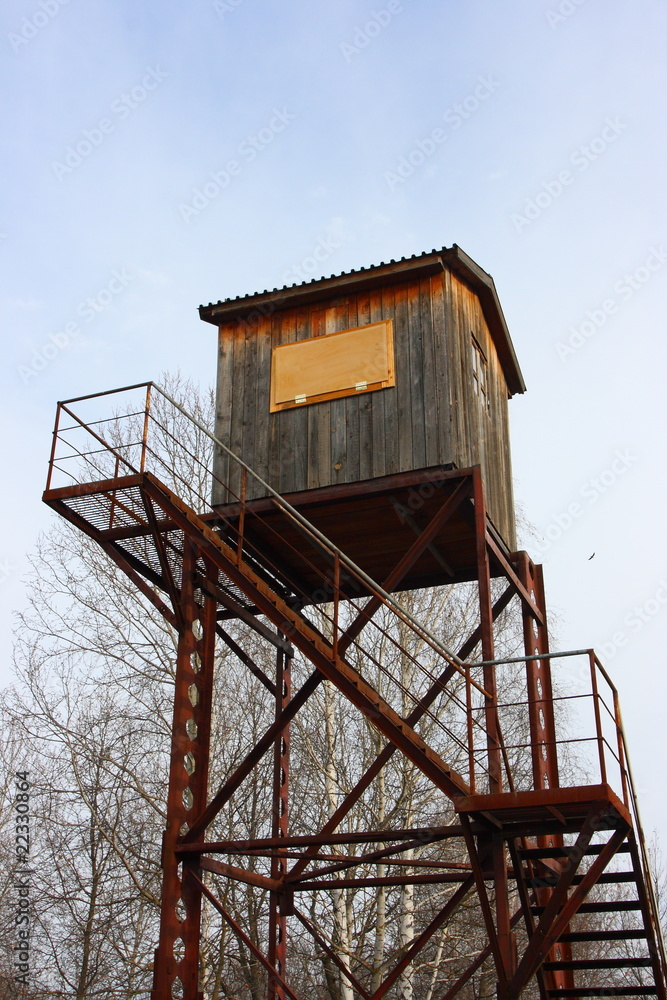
(317, 937)
(112, 512)
(242, 936)
(407, 561)
(619, 745)
(107, 446)
(54, 446)
(239, 874)
(246, 660)
(140, 583)
(391, 880)
(351, 860)
(538, 675)
(314, 646)
(486, 622)
(167, 574)
(166, 968)
(384, 486)
(144, 437)
(123, 534)
(430, 834)
(246, 616)
(198, 781)
(516, 582)
(560, 909)
(506, 941)
(505, 755)
(264, 744)
(644, 867)
(382, 759)
(202, 711)
(650, 916)
(500, 933)
(559, 925)
(279, 827)
(426, 935)
(484, 902)
(479, 961)
(101, 486)
(373, 858)
(598, 718)
(336, 603)
(525, 905)
(545, 772)
(411, 523)
(57, 499)
(110, 392)
(241, 525)
(470, 730)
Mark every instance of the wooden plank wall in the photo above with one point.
(431, 417)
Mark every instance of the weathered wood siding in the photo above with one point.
(430, 417)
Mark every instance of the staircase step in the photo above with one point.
(620, 905)
(565, 852)
(609, 878)
(636, 934)
(586, 964)
(606, 991)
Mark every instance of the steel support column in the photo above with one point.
(177, 955)
(280, 828)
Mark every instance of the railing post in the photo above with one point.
(336, 601)
(598, 718)
(144, 439)
(471, 732)
(112, 511)
(54, 445)
(241, 529)
(621, 752)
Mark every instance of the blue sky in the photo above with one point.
(548, 169)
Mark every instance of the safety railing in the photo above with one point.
(104, 437)
(589, 743)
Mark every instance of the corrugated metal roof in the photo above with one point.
(407, 268)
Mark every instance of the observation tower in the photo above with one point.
(361, 455)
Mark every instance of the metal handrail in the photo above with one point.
(123, 455)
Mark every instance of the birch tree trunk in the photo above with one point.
(341, 924)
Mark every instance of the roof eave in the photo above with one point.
(266, 303)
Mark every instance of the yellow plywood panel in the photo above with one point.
(334, 365)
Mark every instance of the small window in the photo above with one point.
(333, 365)
(480, 375)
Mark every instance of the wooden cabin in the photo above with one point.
(389, 369)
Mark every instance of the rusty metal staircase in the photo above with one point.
(628, 936)
(545, 855)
